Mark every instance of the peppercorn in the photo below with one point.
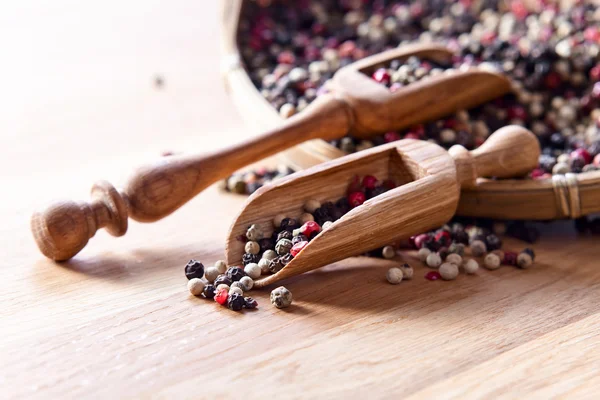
(266, 244)
(493, 242)
(356, 199)
(252, 248)
(248, 258)
(281, 297)
(211, 274)
(196, 286)
(309, 228)
(283, 246)
(246, 283)
(235, 273)
(510, 258)
(223, 286)
(288, 224)
(265, 265)
(443, 237)
(194, 269)
(524, 260)
(420, 240)
(311, 206)
(221, 296)
(269, 255)
(454, 258)
(223, 279)
(407, 271)
(530, 252)
(297, 248)
(254, 233)
(277, 220)
(394, 276)
(286, 259)
(491, 261)
(457, 248)
(448, 271)
(478, 248)
(471, 266)
(209, 291)
(433, 276)
(299, 238)
(443, 252)
(434, 260)
(253, 270)
(284, 235)
(250, 303)
(221, 266)
(236, 302)
(235, 289)
(276, 265)
(499, 253)
(306, 217)
(423, 253)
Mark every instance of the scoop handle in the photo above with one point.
(510, 152)
(157, 189)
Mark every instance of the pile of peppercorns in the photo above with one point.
(445, 248)
(413, 69)
(292, 48)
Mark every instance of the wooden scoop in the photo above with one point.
(355, 104)
(430, 180)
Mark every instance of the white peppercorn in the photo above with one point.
(281, 297)
(277, 220)
(269, 255)
(478, 248)
(252, 248)
(457, 248)
(196, 286)
(306, 217)
(221, 266)
(246, 283)
(448, 271)
(236, 289)
(492, 261)
(471, 266)
(561, 168)
(311, 206)
(394, 275)
(454, 258)
(423, 253)
(265, 265)
(434, 260)
(223, 286)
(254, 233)
(252, 270)
(524, 260)
(407, 271)
(211, 274)
(388, 252)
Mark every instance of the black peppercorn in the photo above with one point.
(235, 273)
(209, 291)
(493, 242)
(194, 269)
(443, 252)
(431, 244)
(299, 238)
(266, 244)
(595, 226)
(222, 279)
(289, 224)
(530, 251)
(343, 205)
(284, 235)
(250, 303)
(321, 215)
(376, 191)
(461, 237)
(248, 258)
(235, 302)
(285, 259)
(276, 265)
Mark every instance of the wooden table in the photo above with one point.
(79, 104)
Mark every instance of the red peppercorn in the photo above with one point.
(517, 112)
(391, 137)
(420, 240)
(221, 296)
(369, 182)
(443, 237)
(583, 153)
(510, 258)
(297, 248)
(433, 276)
(356, 199)
(381, 76)
(536, 173)
(309, 228)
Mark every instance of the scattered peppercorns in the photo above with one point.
(194, 269)
(196, 286)
(235, 301)
(281, 297)
(394, 276)
(448, 271)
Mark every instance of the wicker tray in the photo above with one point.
(563, 196)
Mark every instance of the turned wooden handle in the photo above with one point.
(510, 152)
(156, 190)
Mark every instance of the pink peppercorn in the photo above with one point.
(381, 76)
(391, 137)
(510, 258)
(595, 73)
(517, 112)
(221, 296)
(537, 173)
(443, 237)
(420, 240)
(356, 199)
(297, 248)
(433, 276)
(583, 153)
(286, 57)
(309, 228)
(369, 182)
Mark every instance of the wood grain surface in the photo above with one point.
(79, 104)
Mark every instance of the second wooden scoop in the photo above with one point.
(430, 180)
